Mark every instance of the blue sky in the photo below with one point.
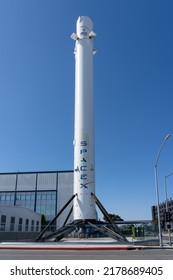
(133, 86)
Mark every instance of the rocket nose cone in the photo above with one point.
(84, 26)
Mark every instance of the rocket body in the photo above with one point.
(84, 154)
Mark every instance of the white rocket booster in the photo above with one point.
(84, 155)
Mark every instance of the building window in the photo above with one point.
(12, 223)
(46, 204)
(32, 225)
(7, 198)
(3, 223)
(26, 199)
(26, 225)
(20, 224)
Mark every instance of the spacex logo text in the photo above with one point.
(83, 163)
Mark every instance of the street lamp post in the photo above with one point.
(157, 189)
(166, 203)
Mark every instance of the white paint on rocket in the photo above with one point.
(84, 154)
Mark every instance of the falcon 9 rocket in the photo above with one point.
(84, 154)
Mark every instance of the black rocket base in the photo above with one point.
(108, 228)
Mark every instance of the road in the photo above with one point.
(146, 254)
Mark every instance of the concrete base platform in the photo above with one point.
(73, 244)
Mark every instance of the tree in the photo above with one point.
(43, 220)
(155, 221)
(114, 217)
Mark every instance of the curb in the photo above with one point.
(71, 248)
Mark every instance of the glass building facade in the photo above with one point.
(42, 192)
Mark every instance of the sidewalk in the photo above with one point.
(96, 244)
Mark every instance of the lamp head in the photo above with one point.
(167, 137)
